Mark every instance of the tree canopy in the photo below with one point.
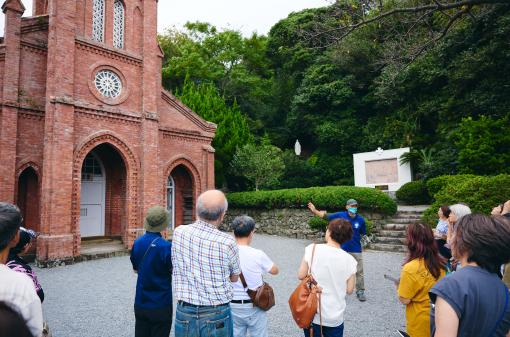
(451, 104)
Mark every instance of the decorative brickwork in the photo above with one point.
(55, 110)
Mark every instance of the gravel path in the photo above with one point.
(95, 298)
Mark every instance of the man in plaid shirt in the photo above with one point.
(205, 263)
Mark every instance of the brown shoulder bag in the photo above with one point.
(263, 297)
(305, 300)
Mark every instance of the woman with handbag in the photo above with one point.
(249, 315)
(334, 271)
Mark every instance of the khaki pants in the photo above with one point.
(360, 281)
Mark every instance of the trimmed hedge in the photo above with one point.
(480, 193)
(436, 184)
(331, 198)
(414, 193)
(321, 224)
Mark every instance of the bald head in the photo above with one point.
(211, 206)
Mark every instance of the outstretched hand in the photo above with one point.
(312, 208)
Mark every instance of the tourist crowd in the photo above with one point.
(452, 281)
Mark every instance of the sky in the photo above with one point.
(245, 15)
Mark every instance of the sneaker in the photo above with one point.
(361, 296)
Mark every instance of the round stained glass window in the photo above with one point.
(108, 83)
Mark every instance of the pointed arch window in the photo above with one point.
(118, 24)
(98, 8)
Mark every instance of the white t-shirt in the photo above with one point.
(331, 268)
(254, 263)
(17, 290)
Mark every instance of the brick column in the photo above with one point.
(59, 240)
(13, 10)
(151, 174)
(39, 7)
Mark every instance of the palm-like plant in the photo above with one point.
(422, 161)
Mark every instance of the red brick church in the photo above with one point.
(89, 140)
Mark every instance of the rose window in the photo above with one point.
(108, 83)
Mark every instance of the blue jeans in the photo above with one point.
(327, 331)
(248, 320)
(210, 321)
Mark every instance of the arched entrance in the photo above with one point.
(180, 196)
(28, 198)
(103, 196)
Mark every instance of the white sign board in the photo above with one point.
(381, 169)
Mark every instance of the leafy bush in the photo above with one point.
(436, 184)
(480, 193)
(414, 193)
(321, 224)
(318, 223)
(329, 197)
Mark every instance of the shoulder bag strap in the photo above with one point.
(148, 248)
(503, 313)
(243, 280)
(311, 260)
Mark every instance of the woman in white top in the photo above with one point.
(335, 272)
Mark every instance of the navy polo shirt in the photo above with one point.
(358, 226)
(154, 283)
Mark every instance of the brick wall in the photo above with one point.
(60, 118)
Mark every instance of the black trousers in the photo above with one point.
(153, 322)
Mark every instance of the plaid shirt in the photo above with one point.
(203, 259)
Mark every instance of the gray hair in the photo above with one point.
(210, 213)
(460, 210)
(243, 225)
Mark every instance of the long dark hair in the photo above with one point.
(421, 245)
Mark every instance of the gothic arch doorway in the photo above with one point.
(28, 198)
(103, 193)
(180, 196)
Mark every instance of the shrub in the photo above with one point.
(321, 224)
(480, 193)
(414, 193)
(436, 184)
(330, 197)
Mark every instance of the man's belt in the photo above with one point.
(241, 301)
(186, 304)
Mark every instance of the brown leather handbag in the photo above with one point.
(263, 297)
(305, 299)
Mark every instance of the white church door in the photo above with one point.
(92, 201)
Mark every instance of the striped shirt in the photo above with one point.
(203, 259)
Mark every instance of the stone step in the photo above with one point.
(412, 209)
(391, 233)
(404, 220)
(408, 215)
(388, 247)
(390, 239)
(394, 226)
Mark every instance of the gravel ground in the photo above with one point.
(95, 298)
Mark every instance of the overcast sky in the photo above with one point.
(244, 15)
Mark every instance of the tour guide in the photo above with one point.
(353, 246)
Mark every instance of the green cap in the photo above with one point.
(351, 202)
(157, 219)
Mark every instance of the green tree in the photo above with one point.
(483, 145)
(232, 131)
(261, 164)
(236, 65)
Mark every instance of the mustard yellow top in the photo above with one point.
(415, 283)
